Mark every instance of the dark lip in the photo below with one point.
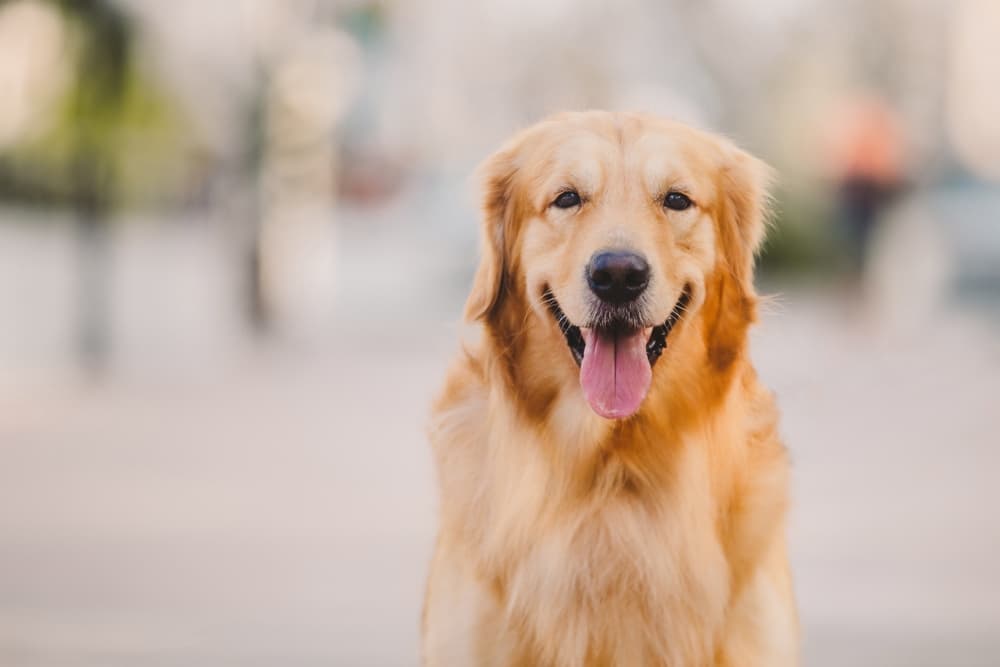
(657, 338)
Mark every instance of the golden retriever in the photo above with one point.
(613, 487)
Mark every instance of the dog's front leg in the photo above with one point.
(762, 626)
(463, 624)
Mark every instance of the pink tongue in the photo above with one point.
(615, 372)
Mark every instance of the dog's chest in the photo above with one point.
(623, 585)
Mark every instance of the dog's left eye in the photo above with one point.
(567, 199)
(677, 201)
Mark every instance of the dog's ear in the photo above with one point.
(746, 182)
(731, 302)
(496, 176)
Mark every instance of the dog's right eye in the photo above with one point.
(567, 199)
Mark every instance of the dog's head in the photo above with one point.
(611, 236)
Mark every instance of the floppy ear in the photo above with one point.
(491, 281)
(746, 181)
(732, 301)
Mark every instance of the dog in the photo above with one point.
(612, 483)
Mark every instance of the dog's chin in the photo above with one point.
(616, 352)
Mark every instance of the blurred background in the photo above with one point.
(235, 238)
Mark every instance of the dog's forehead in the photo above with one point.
(655, 157)
(584, 157)
(662, 159)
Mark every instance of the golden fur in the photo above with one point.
(567, 539)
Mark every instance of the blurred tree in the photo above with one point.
(113, 140)
(252, 159)
(95, 102)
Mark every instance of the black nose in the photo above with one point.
(616, 276)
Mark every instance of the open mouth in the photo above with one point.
(616, 355)
(655, 344)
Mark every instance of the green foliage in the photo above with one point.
(803, 238)
(116, 137)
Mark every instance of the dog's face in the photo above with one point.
(613, 231)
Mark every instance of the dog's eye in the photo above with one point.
(567, 199)
(676, 201)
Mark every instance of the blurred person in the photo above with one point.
(865, 162)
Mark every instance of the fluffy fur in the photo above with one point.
(567, 539)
